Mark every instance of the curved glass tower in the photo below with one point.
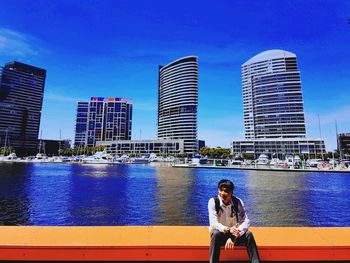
(178, 101)
(272, 96)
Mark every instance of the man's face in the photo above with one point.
(225, 195)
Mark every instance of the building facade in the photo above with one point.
(272, 96)
(53, 147)
(21, 98)
(102, 119)
(344, 145)
(178, 102)
(140, 147)
(273, 108)
(279, 148)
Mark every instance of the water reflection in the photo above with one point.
(14, 202)
(49, 193)
(174, 190)
(66, 194)
(326, 199)
(275, 198)
(140, 202)
(98, 195)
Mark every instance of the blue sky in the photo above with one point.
(113, 49)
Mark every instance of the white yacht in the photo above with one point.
(98, 158)
(140, 160)
(263, 159)
(198, 160)
(40, 158)
(122, 159)
(313, 162)
(12, 157)
(154, 158)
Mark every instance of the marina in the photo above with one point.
(267, 168)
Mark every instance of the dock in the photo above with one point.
(261, 168)
(167, 243)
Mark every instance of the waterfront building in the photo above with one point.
(201, 144)
(272, 96)
(140, 147)
(178, 102)
(280, 147)
(344, 145)
(21, 98)
(273, 108)
(53, 147)
(102, 119)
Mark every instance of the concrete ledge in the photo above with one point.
(167, 243)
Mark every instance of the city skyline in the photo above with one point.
(113, 50)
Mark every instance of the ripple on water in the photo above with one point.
(65, 194)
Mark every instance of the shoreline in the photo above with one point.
(258, 168)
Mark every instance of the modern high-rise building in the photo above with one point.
(273, 108)
(21, 98)
(272, 96)
(103, 119)
(178, 102)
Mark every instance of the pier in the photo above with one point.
(261, 168)
(167, 243)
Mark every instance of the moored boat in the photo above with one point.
(262, 160)
(98, 158)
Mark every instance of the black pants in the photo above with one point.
(219, 239)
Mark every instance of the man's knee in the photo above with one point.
(249, 236)
(215, 234)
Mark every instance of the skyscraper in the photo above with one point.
(21, 97)
(103, 119)
(272, 96)
(178, 102)
(273, 108)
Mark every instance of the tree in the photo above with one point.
(215, 153)
(249, 156)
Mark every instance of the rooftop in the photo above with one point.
(270, 54)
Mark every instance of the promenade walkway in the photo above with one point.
(167, 243)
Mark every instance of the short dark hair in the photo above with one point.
(225, 183)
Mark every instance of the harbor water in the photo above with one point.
(88, 195)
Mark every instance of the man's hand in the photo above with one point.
(226, 230)
(235, 231)
(229, 244)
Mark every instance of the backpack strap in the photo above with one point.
(218, 208)
(234, 208)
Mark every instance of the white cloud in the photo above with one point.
(62, 98)
(17, 44)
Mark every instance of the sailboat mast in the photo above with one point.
(319, 128)
(338, 144)
(59, 144)
(41, 136)
(5, 142)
